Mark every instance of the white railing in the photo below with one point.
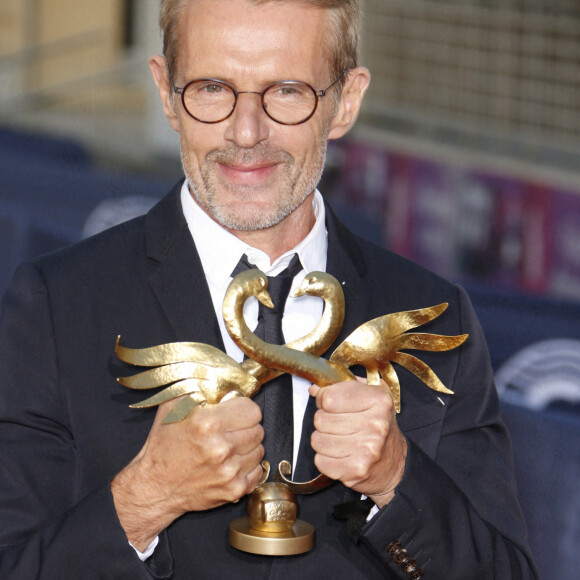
(488, 68)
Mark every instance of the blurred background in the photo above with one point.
(466, 158)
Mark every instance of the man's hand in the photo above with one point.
(357, 440)
(211, 458)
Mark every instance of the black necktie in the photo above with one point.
(275, 397)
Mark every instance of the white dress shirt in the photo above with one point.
(220, 251)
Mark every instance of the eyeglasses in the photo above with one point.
(286, 102)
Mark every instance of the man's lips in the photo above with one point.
(251, 174)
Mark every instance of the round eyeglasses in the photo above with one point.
(286, 102)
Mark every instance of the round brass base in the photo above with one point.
(297, 541)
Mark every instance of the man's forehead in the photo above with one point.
(243, 33)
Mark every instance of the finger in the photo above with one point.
(351, 471)
(353, 397)
(253, 479)
(249, 472)
(222, 446)
(236, 414)
(314, 390)
(247, 440)
(341, 423)
(331, 467)
(336, 446)
(367, 448)
(231, 416)
(251, 460)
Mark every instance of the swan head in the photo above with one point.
(262, 295)
(312, 284)
(319, 284)
(254, 283)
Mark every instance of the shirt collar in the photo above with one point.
(220, 251)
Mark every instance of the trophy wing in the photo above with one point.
(173, 352)
(196, 373)
(379, 342)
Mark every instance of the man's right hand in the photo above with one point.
(209, 459)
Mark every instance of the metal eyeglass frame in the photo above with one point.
(318, 94)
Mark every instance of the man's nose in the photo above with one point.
(249, 124)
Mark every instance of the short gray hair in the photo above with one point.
(341, 47)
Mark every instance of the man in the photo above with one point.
(92, 489)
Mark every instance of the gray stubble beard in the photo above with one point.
(258, 220)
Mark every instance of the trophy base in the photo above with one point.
(298, 540)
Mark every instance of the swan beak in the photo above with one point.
(264, 298)
(307, 286)
(300, 291)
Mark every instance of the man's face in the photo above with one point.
(248, 171)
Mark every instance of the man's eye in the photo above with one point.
(213, 88)
(288, 91)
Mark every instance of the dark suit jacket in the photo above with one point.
(66, 428)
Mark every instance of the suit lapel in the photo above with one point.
(177, 277)
(347, 264)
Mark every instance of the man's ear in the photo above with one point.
(355, 86)
(158, 66)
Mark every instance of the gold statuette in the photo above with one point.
(202, 375)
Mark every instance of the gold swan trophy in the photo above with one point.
(200, 374)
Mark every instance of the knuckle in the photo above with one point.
(255, 412)
(327, 398)
(319, 463)
(253, 475)
(380, 427)
(250, 409)
(228, 473)
(237, 488)
(318, 419)
(315, 440)
(219, 452)
(255, 456)
(376, 425)
(259, 433)
(358, 469)
(368, 453)
(384, 397)
(373, 449)
(205, 425)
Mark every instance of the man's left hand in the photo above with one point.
(357, 440)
